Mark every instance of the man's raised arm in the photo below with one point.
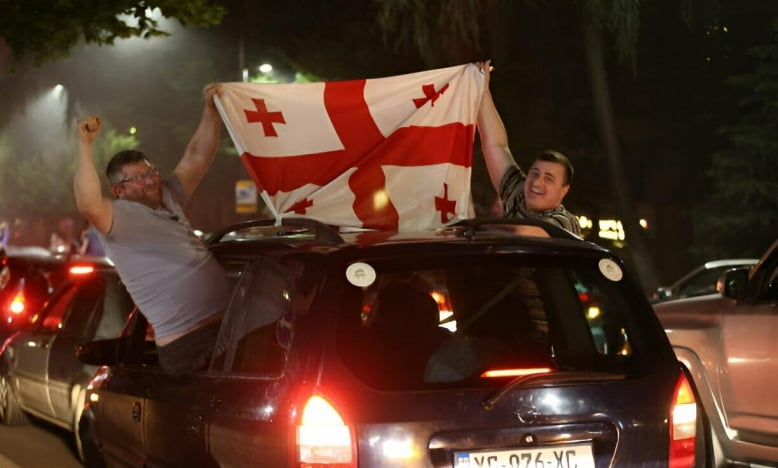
(200, 151)
(491, 131)
(86, 183)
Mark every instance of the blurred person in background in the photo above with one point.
(63, 240)
(90, 242)
(5, 232)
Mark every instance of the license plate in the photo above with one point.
(561, 456)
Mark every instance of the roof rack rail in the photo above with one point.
(323, 233)
(473, 225)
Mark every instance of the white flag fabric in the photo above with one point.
(386, 153)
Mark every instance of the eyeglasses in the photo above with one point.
(152, 172)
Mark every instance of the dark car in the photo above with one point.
(700, 281)
(487, 343)
(728, 341)
(40, 374)
(32, 274)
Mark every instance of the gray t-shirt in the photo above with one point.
(514, 205)
(171, 275)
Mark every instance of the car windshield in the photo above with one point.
(474, 320)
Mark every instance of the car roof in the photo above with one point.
(33, 254)
(712, 265)
(306, 234)
(729, 261)
(41, 256)
(27, 250)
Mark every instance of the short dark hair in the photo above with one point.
(113, 171)
(559, 158)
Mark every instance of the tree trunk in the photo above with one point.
(626, 209)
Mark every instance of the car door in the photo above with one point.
(117, 404)
(97, 310)
(174, 417)
(33, 349)
(141, 416)
(749, 330)
(151, 417)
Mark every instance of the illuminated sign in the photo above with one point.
(245, 196)
(611, 229)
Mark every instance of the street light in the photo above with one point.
(265, 75)
(42, 126)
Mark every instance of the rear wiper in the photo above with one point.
(549, 378)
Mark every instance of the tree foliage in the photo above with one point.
(740, 218)
(621, 20)
(435, 28)
(40, 184)
(665, 62)
(42, 30)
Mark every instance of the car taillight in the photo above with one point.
(514, 372)
(16, 307)
(683, 425)
(323, 438)
(81, 269)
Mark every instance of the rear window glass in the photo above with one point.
(266, 297)
(472, 321)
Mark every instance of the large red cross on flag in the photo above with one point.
(384, 153)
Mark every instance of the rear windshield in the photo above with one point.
(471, 321)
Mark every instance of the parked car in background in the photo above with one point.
(728, 342)
(495, 341)
(32, 275)
(39, 372)
(700, 281)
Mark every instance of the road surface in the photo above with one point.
(36, 445)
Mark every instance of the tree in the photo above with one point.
(152, 86)
(621, 19)
(39, 30)
(644, 122)
(740, 218)
(618, 19)
(686, 138)
(29, 191)
(443, 32)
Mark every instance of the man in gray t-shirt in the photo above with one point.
(171, 275)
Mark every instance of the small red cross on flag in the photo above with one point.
(383, 153)
(267, 119)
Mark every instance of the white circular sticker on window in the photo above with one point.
(610, 269)
(360, 274)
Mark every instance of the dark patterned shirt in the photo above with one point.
(512, 195)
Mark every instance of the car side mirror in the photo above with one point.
(663, 292)
(734, 283)
(102, 352)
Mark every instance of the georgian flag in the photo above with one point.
(384, 153)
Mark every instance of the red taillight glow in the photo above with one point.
(683, 425)
(517, 372)
(80, 270)
(16, 306)
(323, 438)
